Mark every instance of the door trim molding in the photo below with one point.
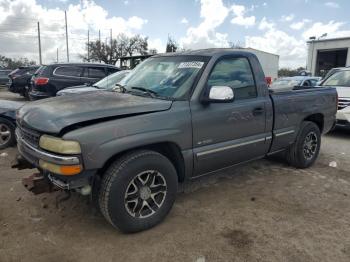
(215, 150)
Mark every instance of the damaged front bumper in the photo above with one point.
(30, 157)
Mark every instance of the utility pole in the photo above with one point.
(39, 41)
(111, 47)
(65, 16)
(57, 56)
(99, 39)
(88, 47)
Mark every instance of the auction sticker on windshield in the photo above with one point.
(193, 64)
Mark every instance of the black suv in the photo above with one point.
(19, 79)
(48, 80)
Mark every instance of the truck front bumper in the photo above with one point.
(33, 155)
(343, 117)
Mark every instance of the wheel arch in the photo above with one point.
(169, 149)
(318, 119)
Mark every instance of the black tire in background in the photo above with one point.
(7, 133)
(138, 176)
(305, 150)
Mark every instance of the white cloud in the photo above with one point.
(332, 4)
(292, 51)
(299, 25)
(265, 24)
(240, 19)
(264, 4)
(287, 18)
(156, 43)
(332, 29)
(184, 21)
(126, 2)
(213, 13)
(18, 25)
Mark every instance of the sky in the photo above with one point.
(280, 27)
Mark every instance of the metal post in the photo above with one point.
(65, 16)
(111, 47)
(57, 56)
(88, 47)
(39, 41)
(99, 39)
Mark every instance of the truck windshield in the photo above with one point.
(168, 77)
(340, 78)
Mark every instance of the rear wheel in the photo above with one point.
(138, 190)
(306, 148)
(7, 133)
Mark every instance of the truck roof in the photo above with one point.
(210, 52)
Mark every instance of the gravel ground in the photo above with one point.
(263, 211)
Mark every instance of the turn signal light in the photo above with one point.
(61, 170)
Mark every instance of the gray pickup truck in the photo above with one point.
(175, 117)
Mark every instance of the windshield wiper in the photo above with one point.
(148, 91)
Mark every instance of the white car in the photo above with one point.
(290, 83)
(341, 81)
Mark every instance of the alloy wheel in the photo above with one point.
(145, 194)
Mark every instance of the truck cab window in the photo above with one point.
(236, 73)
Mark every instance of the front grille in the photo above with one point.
(342, 103)
(29, 135)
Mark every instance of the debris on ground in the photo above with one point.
(333, 164)
(4, 154)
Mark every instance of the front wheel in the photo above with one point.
(304, 151)
(138, 190)
(7, 133)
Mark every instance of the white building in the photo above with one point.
(269, 62)
(325, 54)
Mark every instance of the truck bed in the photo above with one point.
(289, 111)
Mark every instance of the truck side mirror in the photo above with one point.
(218, 94)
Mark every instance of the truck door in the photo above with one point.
(225, 134)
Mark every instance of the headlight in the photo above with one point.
(59, 145)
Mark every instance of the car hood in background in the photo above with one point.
(53, 114)
(77, 90)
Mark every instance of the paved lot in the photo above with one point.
(264, 211)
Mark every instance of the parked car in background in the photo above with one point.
(107, 83)
(341, 81)
(8, 122)
(178, 116)
(4, 79)
(19, 79)
(295, 82)
(52, 78)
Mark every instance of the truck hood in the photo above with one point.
(343, 92)
(53, 114)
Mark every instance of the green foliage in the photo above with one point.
(287, 72)
(10, 63)
(171, 45)
(123, 45)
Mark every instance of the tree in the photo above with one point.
(10, 63)
(171, 45)
(287, 72)
(121, 46)
(128, 46)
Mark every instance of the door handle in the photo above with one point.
(258, 111)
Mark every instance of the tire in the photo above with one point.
(7, 133)
(303, 153)
(131, 182)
